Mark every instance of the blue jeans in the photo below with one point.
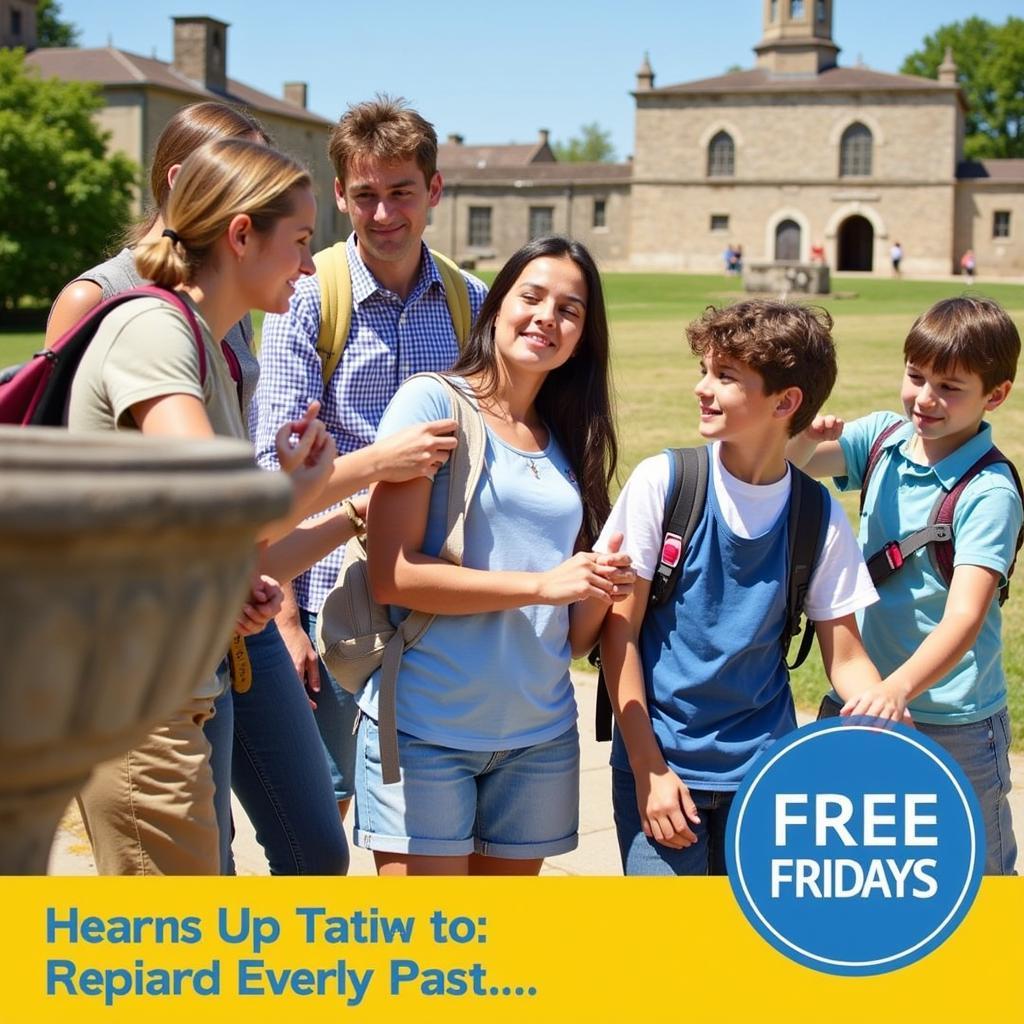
(982, 750)
(279, 771)
(219, 732)
(643, 856)
(335, 717)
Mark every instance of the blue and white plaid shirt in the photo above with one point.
(389, 340)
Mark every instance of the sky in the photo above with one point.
(499, 72)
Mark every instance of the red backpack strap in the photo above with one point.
(874, 454)
(943, 553)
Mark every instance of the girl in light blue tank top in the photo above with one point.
(486, 715)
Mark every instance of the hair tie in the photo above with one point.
(171, 234)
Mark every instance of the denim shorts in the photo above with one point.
(982, 750)
(517, 804)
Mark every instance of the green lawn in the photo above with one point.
(655, 374)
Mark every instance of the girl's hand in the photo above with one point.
(305, 443)
(417, 451)
(265, 597)
(666, 808)
(606, 577)
(624, 575)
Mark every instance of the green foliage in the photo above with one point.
(51, 31)
(63, 200)
(592, 145)
(990, 63)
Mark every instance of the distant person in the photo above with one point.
(737, 259)
(937, 637)
(968, 264)
(817, 253)
(729, 259)
(896, 255)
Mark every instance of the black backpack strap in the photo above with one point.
(873, 455)
(684, 507)
(809, 506)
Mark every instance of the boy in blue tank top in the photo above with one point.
(699, 685)
(937, 642)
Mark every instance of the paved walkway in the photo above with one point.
(597, 853)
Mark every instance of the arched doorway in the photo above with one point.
(787, 240)
(856, 244)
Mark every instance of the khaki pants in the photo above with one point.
(151, 811)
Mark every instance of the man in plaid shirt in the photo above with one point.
(385, 159)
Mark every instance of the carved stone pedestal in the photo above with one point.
(124, 561)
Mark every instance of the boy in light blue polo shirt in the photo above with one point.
(938, 647)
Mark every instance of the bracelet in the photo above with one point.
(357, 521)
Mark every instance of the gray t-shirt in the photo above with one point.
(119, 274)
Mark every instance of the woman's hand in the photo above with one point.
(306, 452)
(607, 577)
(264, 603)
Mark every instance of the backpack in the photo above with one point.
(684, 508)
(354, 633)
(335, 279)
(937, 535)
(36, 393)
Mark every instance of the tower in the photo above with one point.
(797, 37)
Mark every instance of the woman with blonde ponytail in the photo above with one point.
(236, 235)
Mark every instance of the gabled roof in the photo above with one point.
(859, 79)
(998, 171)
(110, 67)
(455, 155)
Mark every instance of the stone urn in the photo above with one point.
(124, 561)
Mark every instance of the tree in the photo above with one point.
(50, 30)
(63, 199)
(990, 69)
(593, 145)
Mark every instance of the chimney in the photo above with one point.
(645, 75)
(200, 51)
(542, 137)
(455, 139)
(296, 93)
(948, 69)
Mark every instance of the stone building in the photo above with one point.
(498, 197)
(142, 93)
(791, 158)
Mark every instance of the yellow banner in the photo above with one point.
(548, 949)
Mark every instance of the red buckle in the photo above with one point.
(893, 555)
(671, 550)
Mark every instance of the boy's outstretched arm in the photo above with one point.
(852, 673)
(665, 805)
(587, 617)
(817, 450)
(971, 592)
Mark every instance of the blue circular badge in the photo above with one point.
(854, 849)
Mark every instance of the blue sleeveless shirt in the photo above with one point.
(717, 685)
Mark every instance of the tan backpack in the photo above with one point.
(354, 633)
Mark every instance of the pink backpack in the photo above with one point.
(36, 393)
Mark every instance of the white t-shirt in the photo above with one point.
(840, 583)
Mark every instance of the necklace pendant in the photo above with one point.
(534, 470)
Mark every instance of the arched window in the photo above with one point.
(774, 15)
(721, 156)
(855, 151)
(796, 9)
